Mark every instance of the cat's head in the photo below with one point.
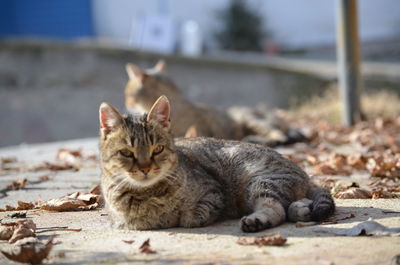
(138, 150)
(146, 86)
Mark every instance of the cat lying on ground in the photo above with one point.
(150, 181)
(238, 123)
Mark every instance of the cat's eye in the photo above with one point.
(158, 150)
(125, 153)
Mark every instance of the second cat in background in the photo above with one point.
(238, 123)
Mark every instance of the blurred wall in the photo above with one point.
(52, 91)
(296, 24)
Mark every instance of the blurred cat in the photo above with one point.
(238, 123)
(151, 180)
(144, 87)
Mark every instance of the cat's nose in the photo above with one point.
(145, 170)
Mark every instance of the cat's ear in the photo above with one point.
(191, 132)
(134, 72)
(161, 66)
(160, 112)
(109, 117)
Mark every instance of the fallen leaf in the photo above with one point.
(10, 208)
(96, 190)
(381, 194)
(354, 193)
(6, 232)
(128, 241)
(72, 157)
(6, 160)
(17, 184)
(62, 204)
(44, 178)
(33, 253)
(368, 228)
(21, 232)
(25, 205)
(145, 247)
(269, 239)
(17, 230)
(21, 207)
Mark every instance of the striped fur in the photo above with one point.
(196, 181)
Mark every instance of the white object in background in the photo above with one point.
(191, 41)
(155, 33)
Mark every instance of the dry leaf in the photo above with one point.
(33, 253)
(10, 208)
(269, 239)
(21, 232)
(96, 190)
(381, 194)
(17, 184)
(6, 232)
(44, 178)
(354, 193)
(17, 230)
(7, 160)
(72, 157)
(128, 241)
(145, 247)
(25, 205)
(62, 204)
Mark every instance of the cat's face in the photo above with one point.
(145, 86)
(137, 150)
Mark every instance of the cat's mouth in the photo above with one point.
(145, 179)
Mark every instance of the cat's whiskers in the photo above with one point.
(123, 181)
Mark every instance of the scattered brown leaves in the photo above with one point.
(370, 147)
(22, 206)
(33, 253)
(145, 247)
(354, 193)
(269, 239)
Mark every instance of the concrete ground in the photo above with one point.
(97, 243)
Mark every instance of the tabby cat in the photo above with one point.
(144, 87)
(238, 123)
(151, 181)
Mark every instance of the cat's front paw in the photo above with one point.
(255, 222)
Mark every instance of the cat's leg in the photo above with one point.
(268, 212)
(204, 212)
(300, 210)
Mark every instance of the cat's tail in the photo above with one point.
(323, 205)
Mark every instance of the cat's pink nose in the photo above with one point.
(145, 170)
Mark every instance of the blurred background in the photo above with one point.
(60, 59)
